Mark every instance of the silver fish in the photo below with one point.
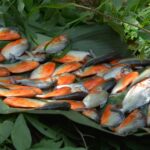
(37, 83)
(145, 74)
(137, 96)
(132, 123)
(15, 49)
(114, 72)
(55, 45)
(95, 99)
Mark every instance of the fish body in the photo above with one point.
(21, 66)
(93, 100)
(131, 123)
(124, 82)
(56, 92)
(137, 96)
(22, 92)
(66, 68)
(55, 45)
(15, 86)
(73, 56)
(144, 75)
(24, 102)
(15, 49)
(39, 83)
(92, 70)
(117, 72)
(43, 71)
(110, 118)
(8, 34)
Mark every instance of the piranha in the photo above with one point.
(15, 49)
(56, 92)
(39, 83)
(95, 99)
(8, 34)
(21, 66)
(92, 70)
(24, 102)
(66, 68)
(131, 123)
(110, 118)
(22, 92)
(43, 71)
(124, 82)
(55, 45)
(137, 96)
(73, 56)
(15, 86)
(144, 75)
(116, 72)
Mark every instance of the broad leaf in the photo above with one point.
(5, 130)
(42, 128)
(47, 144)
(20, 135)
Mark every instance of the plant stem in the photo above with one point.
(109, 16)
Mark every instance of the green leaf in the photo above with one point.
(117, 4)
(21, 5)
(47, 144)
(42, 128)
(5, 130)
(72, 148)
(3, 107)
(20, 135)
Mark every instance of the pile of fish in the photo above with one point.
(76, 81)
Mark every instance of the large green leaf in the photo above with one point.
(5, 130)
(42, 128)
(20, 135)
(47, 144)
